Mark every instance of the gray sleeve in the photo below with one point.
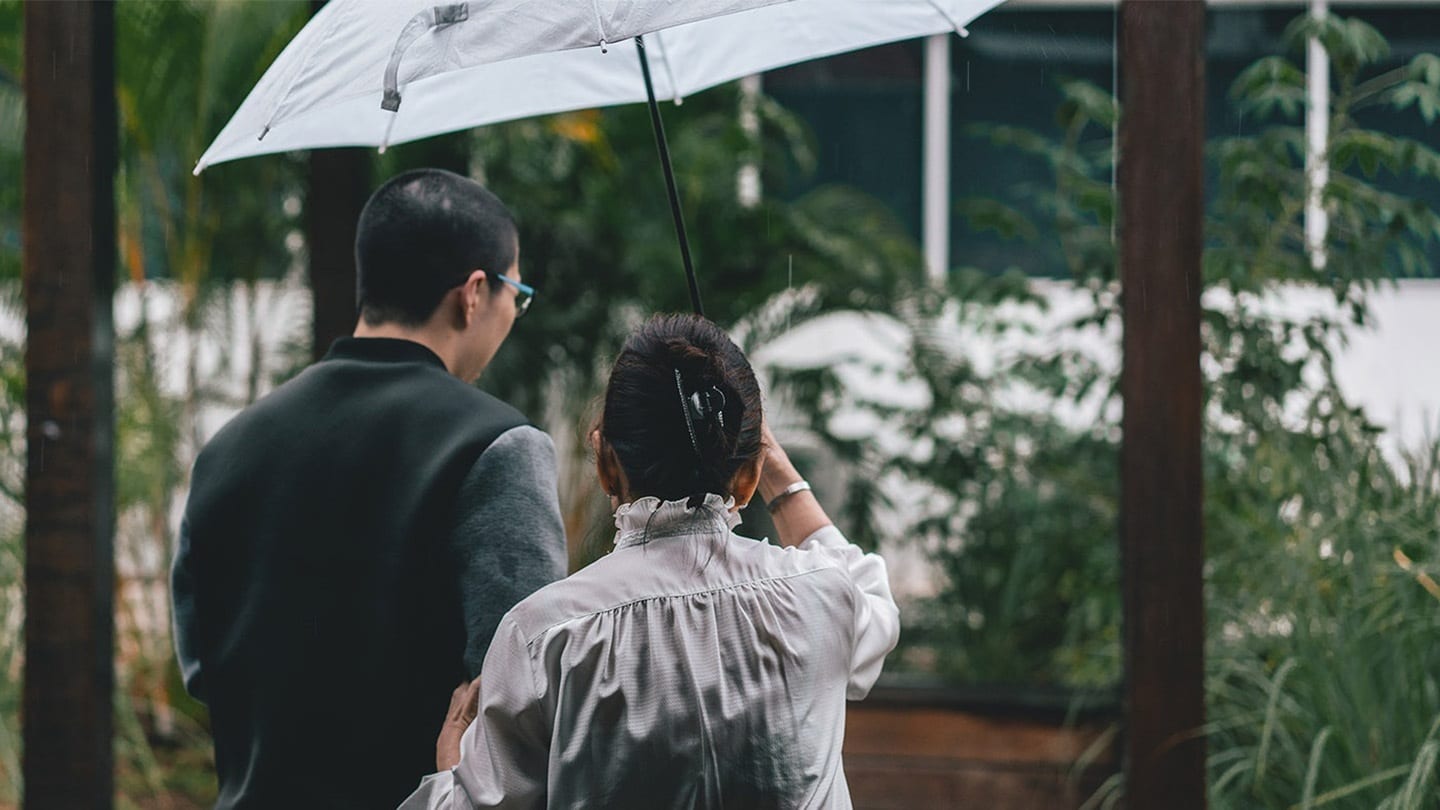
(508, 537)
(182, 607)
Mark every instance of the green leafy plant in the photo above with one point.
(1323, 672)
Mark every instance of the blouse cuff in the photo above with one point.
(826, 536)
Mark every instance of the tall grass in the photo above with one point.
(12, 556)
(1324, 652)
(11, 642)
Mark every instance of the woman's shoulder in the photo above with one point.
(670, 570)
(568, 599)
(817, 566)
(607, 584)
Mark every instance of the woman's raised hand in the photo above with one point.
(796, 515)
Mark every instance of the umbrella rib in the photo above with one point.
(600, 24)
(332, 23)
(954, 23)
(669, 70)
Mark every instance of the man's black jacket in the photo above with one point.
(320, 585)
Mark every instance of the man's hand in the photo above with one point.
(464, 705)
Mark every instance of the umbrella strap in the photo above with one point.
(664, 148)
(432, 17)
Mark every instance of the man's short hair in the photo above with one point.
(421, 234)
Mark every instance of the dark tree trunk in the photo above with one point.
(69, 277)
(1162, 70)
(339, 185)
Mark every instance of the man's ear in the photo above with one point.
(471, 293)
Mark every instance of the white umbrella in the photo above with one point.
(374, 73)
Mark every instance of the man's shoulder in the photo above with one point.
(469, 398)
(263, 410)
(321, 394)
(422, 390)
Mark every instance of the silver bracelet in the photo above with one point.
(799, 486)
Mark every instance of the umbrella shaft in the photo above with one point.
(669, 178)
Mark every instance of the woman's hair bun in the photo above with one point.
(683, 351)
(671, 368)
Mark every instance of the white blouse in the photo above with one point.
(689, 668)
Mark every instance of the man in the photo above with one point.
(352, 540)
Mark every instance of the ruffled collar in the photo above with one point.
(649, 517)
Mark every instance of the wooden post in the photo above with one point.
(1162, 70)
(339, 186)
(69, 277)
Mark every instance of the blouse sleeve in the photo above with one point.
(877, 619)
(505, 751)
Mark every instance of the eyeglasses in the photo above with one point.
(524, 294)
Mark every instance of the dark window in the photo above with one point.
(865, 108)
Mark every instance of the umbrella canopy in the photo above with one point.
(367, 73)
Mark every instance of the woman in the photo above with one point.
(691, 667)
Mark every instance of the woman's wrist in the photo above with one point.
(784, 496)
(777, 475)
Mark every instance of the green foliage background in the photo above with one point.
(1321, 548)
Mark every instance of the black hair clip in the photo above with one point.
(706, 404)
(700, 406)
